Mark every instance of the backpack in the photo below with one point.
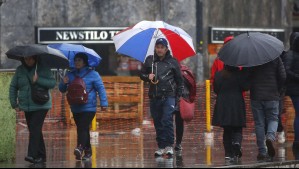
(190, 79)
(76, 91)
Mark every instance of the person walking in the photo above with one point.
(163, 73)
(292, 85)
(230, 110)
(265, 96)
(84, 113)
(218, 65)
(28, 75)
(189, 94)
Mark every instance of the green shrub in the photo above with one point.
(7, 120)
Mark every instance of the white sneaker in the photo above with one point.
(168, 151)
(281, 137)
(159, 152)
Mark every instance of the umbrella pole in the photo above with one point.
(155, 82)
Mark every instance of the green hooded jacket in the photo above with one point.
(20, 89)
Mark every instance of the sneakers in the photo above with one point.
(270, 147)
(159, 152)
(178, 147)
(168, 151)
(78, 152)
(281, 137)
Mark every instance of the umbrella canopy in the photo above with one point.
(139, 41)
(48, 56)
(251, 49)
(70, 50)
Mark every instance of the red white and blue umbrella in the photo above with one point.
(139, 40)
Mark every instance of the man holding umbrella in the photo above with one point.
(163, 72)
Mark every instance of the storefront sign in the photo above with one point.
(47, 35)
(217, 35)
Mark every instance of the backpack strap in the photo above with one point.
(84, 76)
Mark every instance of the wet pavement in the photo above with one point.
(121, 145)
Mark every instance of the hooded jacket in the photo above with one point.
(167, 72)
(94, 84)
(20, 88)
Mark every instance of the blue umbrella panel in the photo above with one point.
(70, 50)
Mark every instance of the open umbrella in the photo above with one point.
(251, 49)
(48, 56)
(70, 50)
(139, 40)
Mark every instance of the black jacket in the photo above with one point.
(167, 72)
(267, 81)
(292, 70)
(230, 107)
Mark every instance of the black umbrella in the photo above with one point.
(50, 57)
(251, 49)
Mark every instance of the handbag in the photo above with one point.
(39, 95)
(187, 109)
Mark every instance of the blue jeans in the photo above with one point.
(265, 111)
(162, 112)
(295, 100)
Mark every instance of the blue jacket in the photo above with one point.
(92, 80)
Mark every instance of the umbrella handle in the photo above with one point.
(156, 82)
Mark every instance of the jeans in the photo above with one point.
(295, 100)
(83, 121)
(162, 112)
(269, 111)
(35, 121)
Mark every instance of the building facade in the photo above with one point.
(22, 22)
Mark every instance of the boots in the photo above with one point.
(237, 150)
(78, 152)
(87, 154)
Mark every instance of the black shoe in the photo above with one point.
(270, 147)
(263, 158)
(87, 154)
(229, 160)
(29, 159)
(178, 147)
(237, 150)
(38, 160)
(78, 152)
(295, 149)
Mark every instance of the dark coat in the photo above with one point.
(230, 105)
(20, 88)
(292, 69)
(168, 73)
(267, 81)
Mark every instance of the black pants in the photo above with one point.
(231, 135)
(35, 121)
(179, 127)
(83, 121)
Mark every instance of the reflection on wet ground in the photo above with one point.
(126, 146)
